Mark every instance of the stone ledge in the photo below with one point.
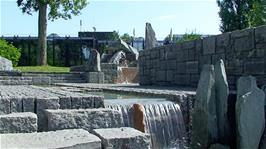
(72, 138)
(18, 123)
(123, 137)
(87, 119)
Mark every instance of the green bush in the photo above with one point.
(188, 37)
(10, 52)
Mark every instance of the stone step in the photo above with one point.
(124, 137)
(87, 119)
(18, 123)
(71, 138)
(52, 74)
(69, 81)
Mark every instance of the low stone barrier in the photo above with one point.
(18, 123)
(87, 119)
(124, 137)
(72, 138)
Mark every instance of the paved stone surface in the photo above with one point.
(70, 139)
(18, 123)
(87, 119)
(121, 138)
(204, 121)
(250, 116)
(222, 93)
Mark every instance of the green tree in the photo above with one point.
(10, 52)
(257, 15)
(57, 9)
(234, 14)
(126, 37)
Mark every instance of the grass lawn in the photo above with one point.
(42, 69)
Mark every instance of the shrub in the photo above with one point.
(188, 37)
(10, 52)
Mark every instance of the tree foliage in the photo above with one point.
(257, 15)
(57, 8)
(234, 14)
(10, 52)
(240, 14)
(126, 37)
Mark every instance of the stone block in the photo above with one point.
(191, 55)
(160, 75)
(16, 105)
(222, 43)
(18, 123)
(170, 76)
(28, 104)
(4, 105)
(122, 138)
(171, 65)
(199, 46)
(41, 80)
(260, 37)
(41, 105)
(71, 138)
(94, 77)
(98, 101)
(209, 45)
(192, 67)
(242, 40)
(217, 57)
(181, 68)
(65, 102)
(87, 119)
(182, 79)
(188, 45)
(254, 67)
(76, 102)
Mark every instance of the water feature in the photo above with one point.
(163, 120)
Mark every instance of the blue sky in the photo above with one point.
(123, 16)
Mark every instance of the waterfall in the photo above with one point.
(163, 121)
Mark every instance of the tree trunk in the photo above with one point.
(42, 41)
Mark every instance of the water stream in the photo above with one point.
(163, 120)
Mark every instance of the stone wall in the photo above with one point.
(243, 52)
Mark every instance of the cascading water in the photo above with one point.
(163, 121)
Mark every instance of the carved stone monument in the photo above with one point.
(150, 39)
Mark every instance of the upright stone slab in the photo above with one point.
(123, 138)
(18, 123)
(68, 139)
(204, 120)
(87, 119)
(222, 93)
(150, 40)
(5, 64)
(93, 63)
(250, 120)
